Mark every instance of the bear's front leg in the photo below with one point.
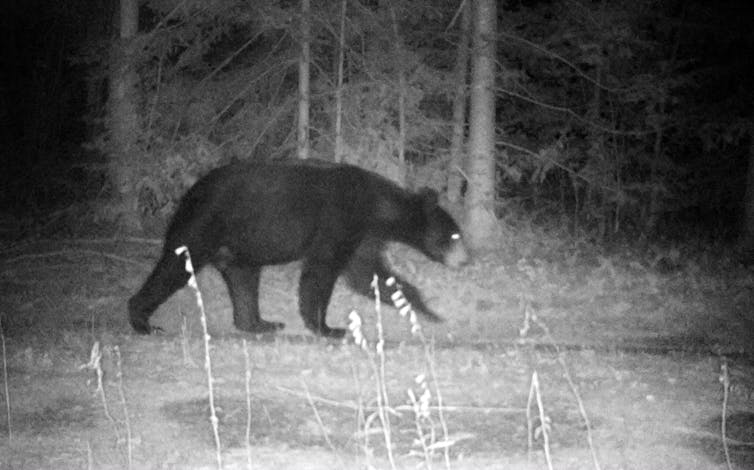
(243, 286)
(315, 288)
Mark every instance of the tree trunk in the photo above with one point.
(339, 150)
(456, 167)
(747, 235)
(124, 117)
(481, 225)
(402, 91)
(302, 146)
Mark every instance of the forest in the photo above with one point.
(613, 120)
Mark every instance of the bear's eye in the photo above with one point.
(455, 236)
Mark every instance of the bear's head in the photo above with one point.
(441, 238)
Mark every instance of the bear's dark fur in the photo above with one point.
(335, 217)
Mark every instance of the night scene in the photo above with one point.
(377, 234)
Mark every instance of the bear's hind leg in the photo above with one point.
(243, 287)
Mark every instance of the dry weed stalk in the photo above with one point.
(544, 421)
(421, 405)
(95, 364)
(247, 387)
(207, 361)
(406, 310)
(89, 456)
(122, 393)
(531, 317)
(5, 383)
(381, 412)
(725, 380)
(382, 397)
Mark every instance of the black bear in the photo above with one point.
(335, 217)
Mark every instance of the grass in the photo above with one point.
(418, 445)
(426, 434)
(401, 399)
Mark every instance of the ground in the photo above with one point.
(637, 337)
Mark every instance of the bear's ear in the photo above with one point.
(429, 197)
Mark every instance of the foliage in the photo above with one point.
(223, 73)
(599, 114)
(180, 166)
(609, 92)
